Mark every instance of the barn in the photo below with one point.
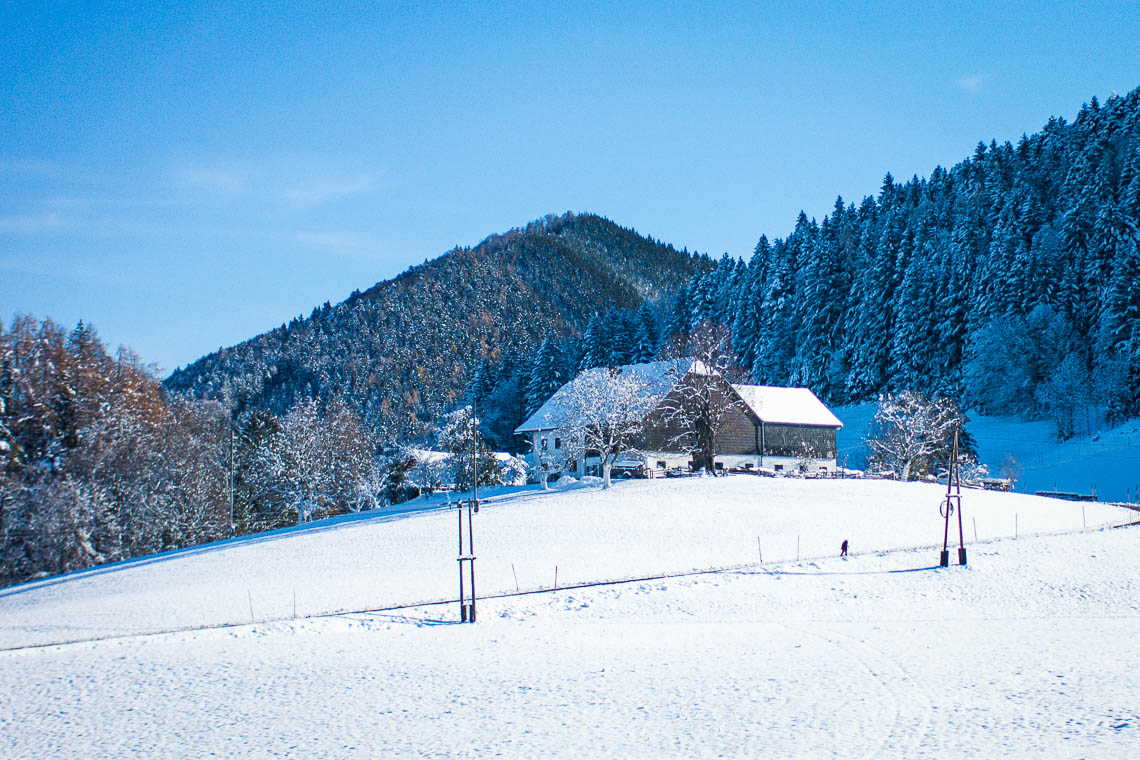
(781, 429)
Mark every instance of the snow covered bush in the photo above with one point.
(469, 453)
(512, 470)
(547, 462)
(911, 434)
(314, 463)
(429, 471)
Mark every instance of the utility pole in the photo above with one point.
(467, 605)
(952, 503)
(232, 528)
(475, 451)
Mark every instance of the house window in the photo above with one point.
(779, 468)
(557, 443)
(544, 442)
(718, 465)
(661, 464)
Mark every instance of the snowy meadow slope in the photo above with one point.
(1023, 652)
(638, 528)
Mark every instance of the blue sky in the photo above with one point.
(186, 178)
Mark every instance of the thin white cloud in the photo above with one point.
(94, 203)
(228, 183)
(329, 239)
(69, 272)
(28, 167)
(318, 191)
(34, 224)
(972, 83)
(345, 244)
(296, 184)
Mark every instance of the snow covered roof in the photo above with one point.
(658, 377)
(429, 455)
(787, 406)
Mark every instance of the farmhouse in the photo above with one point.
(756, 428)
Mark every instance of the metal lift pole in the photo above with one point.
(462, 590)
(958, 493)
(471, 562)
(473, 508)
(467, 606)
(953, 502)
(233, 530)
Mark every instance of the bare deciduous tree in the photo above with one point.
(314, 462)
(546, 461)
(702, 397)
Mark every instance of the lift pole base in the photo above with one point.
(944, 560)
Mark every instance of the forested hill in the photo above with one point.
(1010, 282)
(402, 351)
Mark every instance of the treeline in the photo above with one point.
(99, 462)
(1010, 283)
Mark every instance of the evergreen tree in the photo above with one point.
(681, 314)
(702, 298)
(913, 342)
(1122, 312)
(622, 337)
(596, 352)
(481, 382)
(647, 321)
(749, 306)
(546, 375)
(645, 338)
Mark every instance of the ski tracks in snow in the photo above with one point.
(911, 708)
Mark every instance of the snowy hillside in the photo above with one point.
(880, 654)
(588, 535)
(1107, 464)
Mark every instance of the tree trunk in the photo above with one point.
(704, 459)
(606, 473)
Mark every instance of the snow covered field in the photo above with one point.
(1027, 651)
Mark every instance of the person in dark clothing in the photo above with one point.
(843, 548)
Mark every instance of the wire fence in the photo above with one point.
(397, 605)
